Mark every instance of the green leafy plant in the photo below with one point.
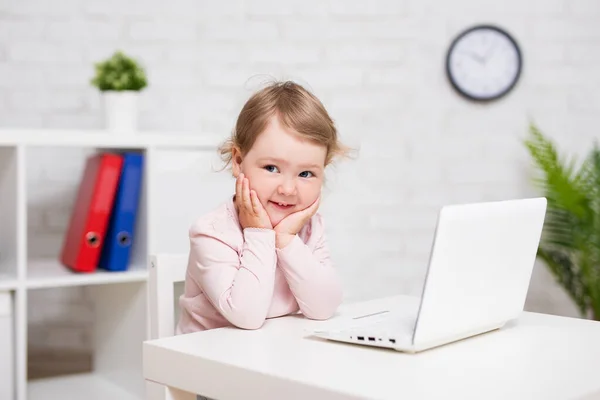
(119, 73)
(570, 245)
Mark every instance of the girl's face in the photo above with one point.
(285, 170)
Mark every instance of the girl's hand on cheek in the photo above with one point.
(250, 212)
(291, 225)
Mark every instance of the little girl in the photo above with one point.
(263, 253)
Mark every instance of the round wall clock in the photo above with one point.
(484, 63)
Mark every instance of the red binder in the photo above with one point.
(91, 213)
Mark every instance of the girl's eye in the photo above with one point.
(306, 174)
(271, 168)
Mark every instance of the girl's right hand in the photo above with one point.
(250, 212)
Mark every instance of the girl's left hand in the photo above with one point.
(292, 224)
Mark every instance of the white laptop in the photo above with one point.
(477, 279)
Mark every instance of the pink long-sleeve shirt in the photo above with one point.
(238, 277)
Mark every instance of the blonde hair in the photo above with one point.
(296, 108)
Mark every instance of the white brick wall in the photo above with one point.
(377, 65)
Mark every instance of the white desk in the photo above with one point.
(536, 357)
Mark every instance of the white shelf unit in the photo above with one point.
(119, 298)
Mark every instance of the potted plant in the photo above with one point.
(120, 79)
(570, 245)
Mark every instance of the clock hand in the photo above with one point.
(489, 51)
(474, 56)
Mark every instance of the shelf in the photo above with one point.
(10, 198)
(76, 387)
(7, 282)
(106, 139)
(29, 261)
(48, 273)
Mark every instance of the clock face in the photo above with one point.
(484, 63)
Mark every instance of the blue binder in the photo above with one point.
(119, 238)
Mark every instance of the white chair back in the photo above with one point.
(165, 271)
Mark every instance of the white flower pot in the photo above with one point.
(121, 111)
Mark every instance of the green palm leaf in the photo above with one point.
(570, 245)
